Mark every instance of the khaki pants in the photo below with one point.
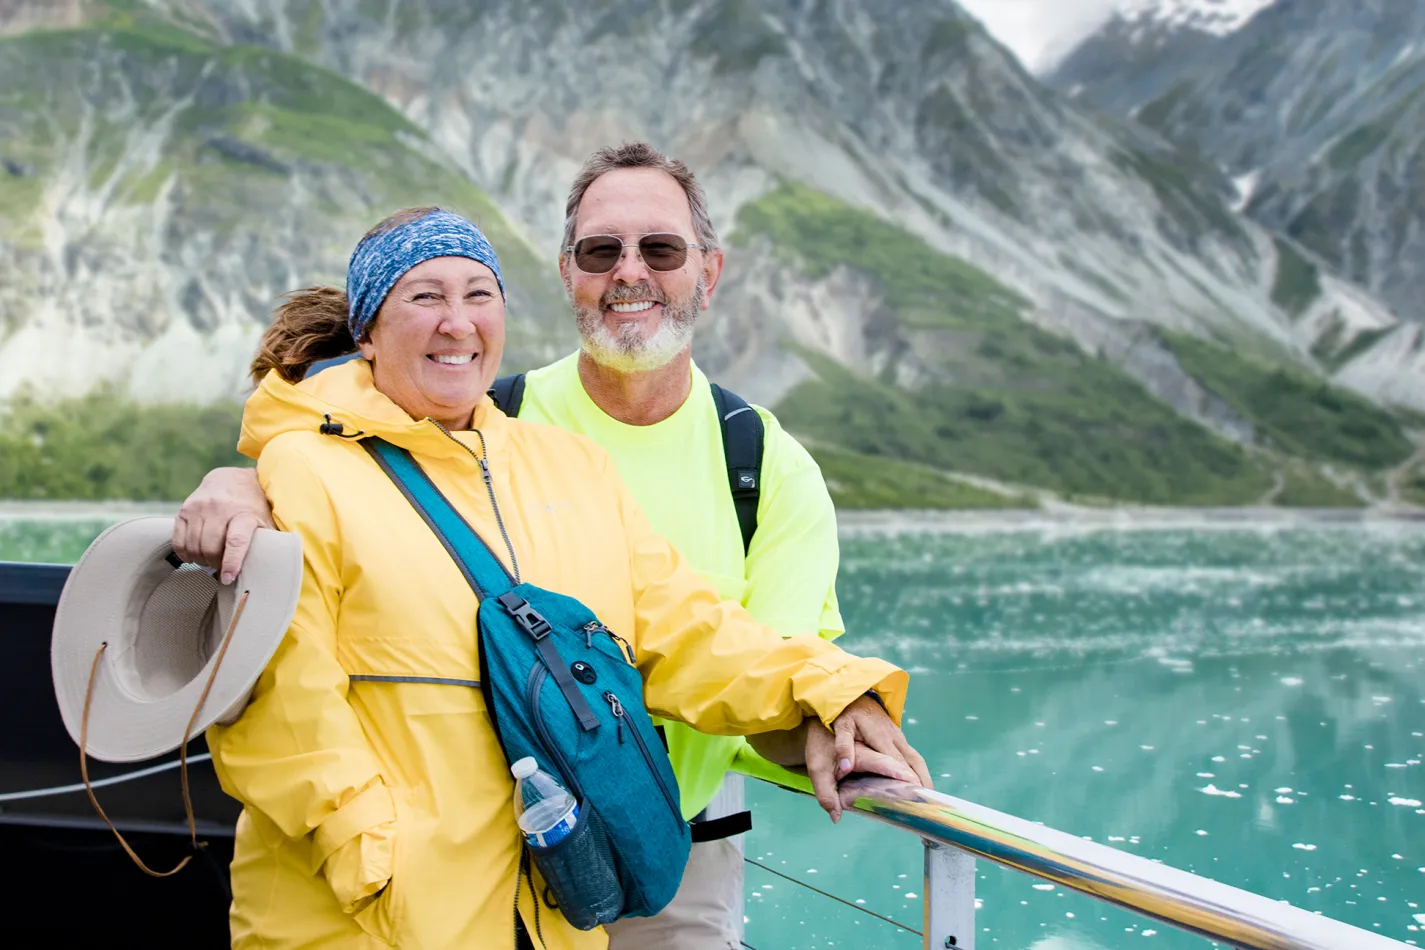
(705, 914)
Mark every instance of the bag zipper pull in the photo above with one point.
(589, 629)
(617, 708)
(627, 648)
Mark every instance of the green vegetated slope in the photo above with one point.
(1008, 400)
(103, 446)
(1301, 415)
(251, 154)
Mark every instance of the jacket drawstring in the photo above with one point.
(336, 428)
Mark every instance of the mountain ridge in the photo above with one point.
(1051, 245)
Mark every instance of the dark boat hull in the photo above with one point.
(65, 876)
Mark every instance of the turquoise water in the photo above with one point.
(1248, 704)
(1244, 704)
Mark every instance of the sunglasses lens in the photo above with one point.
(597, 255)
(663, 251)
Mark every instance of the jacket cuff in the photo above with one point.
(831, 683)
(370, 808)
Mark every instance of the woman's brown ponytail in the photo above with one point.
(310, 326)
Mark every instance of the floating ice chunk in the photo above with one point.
(1043, 887)
(1304, 847)
(1283, 791)
(1291, 681)
(1285, 800)
(1201, 833)
(1405, 802)
(1211, 789)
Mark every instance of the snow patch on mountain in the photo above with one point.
(1219, 17)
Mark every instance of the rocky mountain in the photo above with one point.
(935, 263)
(1314, 108)
(1145, 47)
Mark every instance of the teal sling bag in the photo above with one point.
(562, 687)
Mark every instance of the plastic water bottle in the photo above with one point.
(545, 810)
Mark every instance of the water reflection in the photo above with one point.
(1246, 705)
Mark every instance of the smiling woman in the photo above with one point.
(432, 327)
(437, 344)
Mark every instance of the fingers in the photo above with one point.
(238, 540)
(871, 762)
(915, 760)
(212, 535)
(215, 526)
(821, 764)
(181, 546)
(845, 728)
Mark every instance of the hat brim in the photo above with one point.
(101, 602)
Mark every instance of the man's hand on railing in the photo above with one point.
(863, 740)
(215, 526)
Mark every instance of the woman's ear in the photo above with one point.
(368, 350)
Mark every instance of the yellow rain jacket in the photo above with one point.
(379, 813)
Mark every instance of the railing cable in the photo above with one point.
(839, 900)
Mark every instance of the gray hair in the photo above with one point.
(639, 155)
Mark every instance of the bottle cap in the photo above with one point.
(525, 767)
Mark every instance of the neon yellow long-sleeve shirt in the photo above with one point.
(676, 471)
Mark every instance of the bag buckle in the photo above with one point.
(526, 616)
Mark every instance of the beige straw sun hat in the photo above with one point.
(143, 638)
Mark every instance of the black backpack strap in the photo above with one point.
(742, 438)
(715, 829)
(508, 393)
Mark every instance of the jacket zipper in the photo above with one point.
(618, 711)
(489, 488)
(595, 626)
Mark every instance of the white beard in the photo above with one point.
(625, 350)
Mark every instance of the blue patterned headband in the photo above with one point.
(380, 260)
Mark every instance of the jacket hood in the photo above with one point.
(347, 394)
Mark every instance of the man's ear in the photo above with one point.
(712, 272)
(564, 274)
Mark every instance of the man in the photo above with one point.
(640, 259)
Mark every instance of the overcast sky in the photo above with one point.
(1035, 29)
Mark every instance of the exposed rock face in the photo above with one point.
(1317, 109)
(159, 194)
(169, 167)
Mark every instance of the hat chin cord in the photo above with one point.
(182, 749)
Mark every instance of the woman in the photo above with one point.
(377, 810)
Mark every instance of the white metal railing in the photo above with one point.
(955, 832)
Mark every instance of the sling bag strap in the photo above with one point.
(743, 436)
(481, 569)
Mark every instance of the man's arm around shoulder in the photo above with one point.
(215, 525)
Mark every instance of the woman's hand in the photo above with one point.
(215, 526)
(832, 754)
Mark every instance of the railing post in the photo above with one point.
(949, 893)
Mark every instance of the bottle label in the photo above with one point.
(552, 836)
